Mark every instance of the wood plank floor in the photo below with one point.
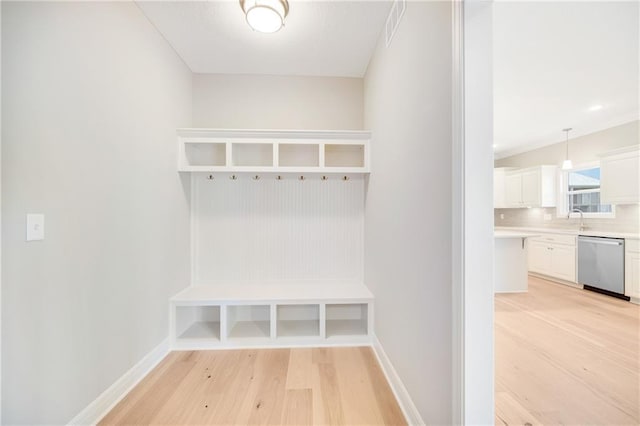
(337, 386)
(566, 356)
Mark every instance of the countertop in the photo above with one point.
(513, 233)
(587, 232)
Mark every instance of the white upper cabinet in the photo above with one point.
(531, 187)
(499, 187)
(620, 176)
(282, 151)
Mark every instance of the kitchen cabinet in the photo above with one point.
(499, 187)
(531, 187)
(632, 269)
(554, 255)
(620, 176)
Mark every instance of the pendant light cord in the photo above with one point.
(567, 142)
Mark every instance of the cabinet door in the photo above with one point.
(498, 189)
(513, 190)
(563, 262)
(539, 257)
(632, 275)
(619, 179)
(531, 188)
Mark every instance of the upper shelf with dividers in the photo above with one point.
(281, 151)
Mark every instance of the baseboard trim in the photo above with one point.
(407, 406)
(555, 280)
(104, 403)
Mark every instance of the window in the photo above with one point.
(581, 191)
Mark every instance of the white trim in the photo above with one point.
(457, 216)
(104, 403)
(235, 134)
(411, 414)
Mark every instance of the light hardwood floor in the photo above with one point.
(566, 356)
(337, 386)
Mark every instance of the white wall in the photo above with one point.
(270, 230)
(92, 95)
(408, 203)
(277, 102)
(318, 226)
(478, 212)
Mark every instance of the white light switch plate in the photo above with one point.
(547, 216)
(35, 227)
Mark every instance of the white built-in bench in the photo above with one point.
(271, 314)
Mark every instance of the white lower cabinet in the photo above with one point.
(553, 255)
(632, 269)
(250, 315)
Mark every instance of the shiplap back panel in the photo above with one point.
(267, 230)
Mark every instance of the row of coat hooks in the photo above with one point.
(279, 177)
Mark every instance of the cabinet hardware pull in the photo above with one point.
(256, 177)
(233, 177)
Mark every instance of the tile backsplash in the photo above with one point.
(627, 219)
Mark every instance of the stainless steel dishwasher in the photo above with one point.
(601, 264)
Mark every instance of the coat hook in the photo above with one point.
(278, 177)
(345, 178)
(324, 178)
(233, 177)
(301, 178)
(256, 177)
(210, 177)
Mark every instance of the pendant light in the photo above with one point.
(265, 16)
(566, 164)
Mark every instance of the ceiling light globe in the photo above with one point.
(265, 16)
(264, 19)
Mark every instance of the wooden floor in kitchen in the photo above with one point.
(337, 386)
(566, 356)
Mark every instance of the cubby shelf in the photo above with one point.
(273, 151)
(268, 314)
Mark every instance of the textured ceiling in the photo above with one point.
(320, 38)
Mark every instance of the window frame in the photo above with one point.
(562, 201)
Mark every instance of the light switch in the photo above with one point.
(35, 227)
(547, 216)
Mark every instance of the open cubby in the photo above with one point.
(197, 322)
(343, 155)
(298, 321)
(298, 155)
(248, 321)
(252, 154)
(346, 319)
(206, 154)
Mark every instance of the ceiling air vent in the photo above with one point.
(393, 20)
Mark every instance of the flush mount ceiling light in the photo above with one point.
(265, 16)
(566, 164)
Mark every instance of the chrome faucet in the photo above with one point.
(582, 227)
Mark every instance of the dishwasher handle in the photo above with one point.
(603, 241)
